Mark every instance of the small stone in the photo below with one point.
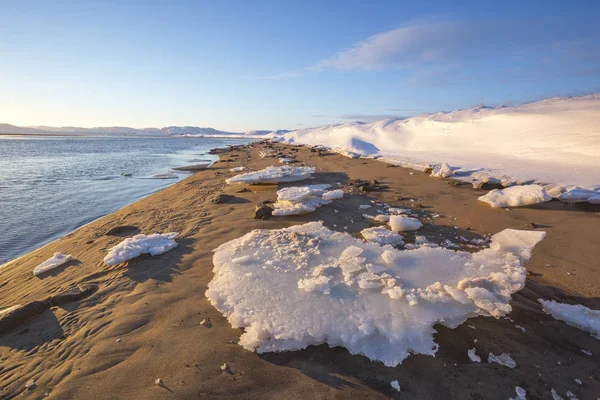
(262, 212)
(158, 382)
(221, 198)
(533, 225)
(30, 385)
(454, 183)
(206, 322)
(118, 340)
(244, 190)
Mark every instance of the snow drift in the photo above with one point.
(306, 285)
(551, 141)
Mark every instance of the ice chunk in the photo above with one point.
(306, 285)
(577, 315)
(473, 356)
(396, 386)
(502, 359)
(300, 200)
(516, 196)
(400, 223)
(273, 174)
(238, 169)
(333, 194)
(382, 236)
(555, 395)
(284, 160)
(521, 394)
(141, 244)
(441, 171)
(55, 261)
(364, 206)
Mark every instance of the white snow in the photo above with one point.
(400, 223)
(306, 285)
(521, 394)
(273, 174)
(55, 261)
(473, 356)
(577, 315)
(396, 386)
(300, 199)
(237, 169)
(516, 196)
(553, 141)
(141, 244)
(502, 359)
(382, 236)
(333, 194)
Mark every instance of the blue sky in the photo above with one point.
(241, 65)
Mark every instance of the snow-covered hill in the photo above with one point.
(555, 140)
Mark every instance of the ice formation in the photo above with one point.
(237, 169)
(577, 315)
(441, 171)
(516, 196)
(400, 223)
(333, 194)
(502, 359)
(55, 261)
(141, 244)
(521, 394)
(306, 285)
(273, 174)
(382, 236)
(473, 356)
(303, 199)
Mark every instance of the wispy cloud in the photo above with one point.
(434, 50)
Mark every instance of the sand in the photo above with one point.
(143, 322)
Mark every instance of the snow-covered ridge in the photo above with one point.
(552, 141)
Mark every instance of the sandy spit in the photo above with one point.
(144, 321)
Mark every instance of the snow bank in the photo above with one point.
(401, 223)
(382, 236)
(141, 244)
(578, 316)
(516, 196)
(306, 285)
(55, 261)
(551, 141)
(301, 199)
(273, 175)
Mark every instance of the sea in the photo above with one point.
(51, 185)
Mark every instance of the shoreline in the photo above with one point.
(153, 305)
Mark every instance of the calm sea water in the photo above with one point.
(50, 186)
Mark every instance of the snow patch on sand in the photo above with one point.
(55, 261)
(141, 244)
(306, 285)
(516, 196)
(274, 174)
(577, 315)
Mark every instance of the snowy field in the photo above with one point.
(551, 141)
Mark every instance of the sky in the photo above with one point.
(244, 65)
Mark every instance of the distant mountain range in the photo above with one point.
(125, 131)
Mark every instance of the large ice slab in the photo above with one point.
(274, 174)
(306, 285)
(299, 200)
(141, 244)
(516, 196)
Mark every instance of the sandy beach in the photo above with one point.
(144, 320)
